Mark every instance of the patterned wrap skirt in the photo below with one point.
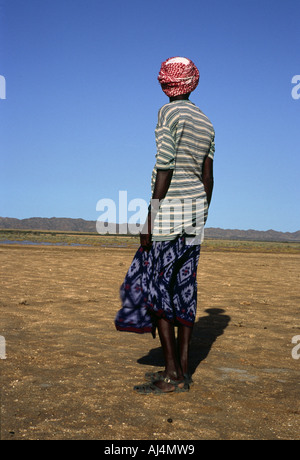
(161, 283)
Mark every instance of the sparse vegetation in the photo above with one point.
(93, 239)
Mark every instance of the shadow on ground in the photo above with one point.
(206, 331)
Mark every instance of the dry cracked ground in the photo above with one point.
(68, 374)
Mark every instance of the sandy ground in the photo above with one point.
(68, 374)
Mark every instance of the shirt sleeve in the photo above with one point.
(211, 152)
(165, 143)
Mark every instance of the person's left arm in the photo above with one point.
(161, 187)
(165, 164)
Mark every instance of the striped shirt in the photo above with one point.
(184, 138)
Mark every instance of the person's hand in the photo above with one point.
(162, 183)
(145, 236)
(146, 241)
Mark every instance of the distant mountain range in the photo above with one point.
(85, 226)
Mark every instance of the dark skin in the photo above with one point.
(176, 355)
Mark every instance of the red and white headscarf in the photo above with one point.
(178, 75)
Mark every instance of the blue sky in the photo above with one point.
(82, 97)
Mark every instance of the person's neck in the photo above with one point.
(181, 97)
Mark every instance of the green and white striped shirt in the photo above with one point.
(184, 138)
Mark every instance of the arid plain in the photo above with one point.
(68, 374)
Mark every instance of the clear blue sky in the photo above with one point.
(82, 97)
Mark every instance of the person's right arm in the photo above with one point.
(208, 178)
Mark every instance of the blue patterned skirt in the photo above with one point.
(160, 283)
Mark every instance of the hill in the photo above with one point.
(81, 225)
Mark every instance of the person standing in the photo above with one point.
(160, 288)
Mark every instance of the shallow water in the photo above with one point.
(40, 243)
(44, 243)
